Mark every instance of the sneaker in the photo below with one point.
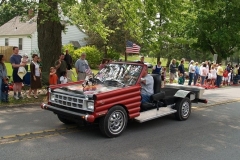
(36, 97)
(29, 96)
(20, 96)
(16, 97)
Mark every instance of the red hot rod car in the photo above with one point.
(112, 97)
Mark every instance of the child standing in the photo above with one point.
(225, 77)
(53, 76)
(63, 78)
(180, 79)
(230, 77)
(21, 70)
(213, 75)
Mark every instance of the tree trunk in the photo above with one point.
(105, 51)
(158, 57)
(49, 34)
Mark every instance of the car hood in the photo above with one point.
(88, 90)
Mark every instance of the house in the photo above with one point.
(24, 35)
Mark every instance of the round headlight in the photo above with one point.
(90, 105)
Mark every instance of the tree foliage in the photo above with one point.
(216, 26)
(93, 55)
(11, 8)
(163, 28)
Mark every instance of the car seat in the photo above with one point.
(156, 97)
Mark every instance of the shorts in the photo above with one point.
(16, 78)
(225, 78)
(172, 76)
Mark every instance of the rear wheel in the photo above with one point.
(114, 123)
(183, 107)
(64, 120)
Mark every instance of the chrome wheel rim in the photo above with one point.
(116, 122)
(185, 109)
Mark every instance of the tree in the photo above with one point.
(216, 26)
(11, 8)
(108, 23)
(49, 29)
(49, 32)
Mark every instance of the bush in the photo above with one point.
(112, 54)
(93, 56)
(68, 47)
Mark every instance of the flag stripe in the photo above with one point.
(132, 47)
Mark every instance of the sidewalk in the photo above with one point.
(214, 97)
(220, 96)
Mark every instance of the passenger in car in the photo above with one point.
(147, 86)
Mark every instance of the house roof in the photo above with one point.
(17, 27)
(75, 44)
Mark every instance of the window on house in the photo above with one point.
(6, 42)
(20, 43)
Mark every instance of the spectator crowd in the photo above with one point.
(205, 74)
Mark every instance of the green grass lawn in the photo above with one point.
(151, 60)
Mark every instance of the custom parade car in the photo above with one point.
(112, 97)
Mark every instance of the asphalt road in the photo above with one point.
(211, 133)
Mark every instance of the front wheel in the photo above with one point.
(183, 107)
(114, 123)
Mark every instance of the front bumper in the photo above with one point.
(86, 117)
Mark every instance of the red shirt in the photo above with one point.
(53, 79)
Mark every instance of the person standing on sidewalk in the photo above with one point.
(203, 73)
(82, 67)
(60, 66)
(157, 69)
(15, 60)
(68, 60)
(3, 77)
(35, 81)
(219, 75)
(197, 73)
(191, 72)
(181, 70)
(172, 70)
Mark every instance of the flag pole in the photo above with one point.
(125, 47)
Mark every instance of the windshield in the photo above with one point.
(119, 74)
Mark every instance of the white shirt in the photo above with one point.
(63, 80)
(213, 73)
(204, 71)
(229, 77)
(147, 88)
(191, 68)
(37, 72)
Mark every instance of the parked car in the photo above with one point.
(146, 63)
(112, 97)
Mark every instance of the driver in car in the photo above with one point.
(146, 86)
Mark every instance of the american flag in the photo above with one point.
(132, 47)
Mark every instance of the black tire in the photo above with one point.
(64, 120)
(183, 107)
(116, 116)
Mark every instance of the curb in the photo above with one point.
(217, 103)
(20, 105)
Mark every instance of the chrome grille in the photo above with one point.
(67, 101)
